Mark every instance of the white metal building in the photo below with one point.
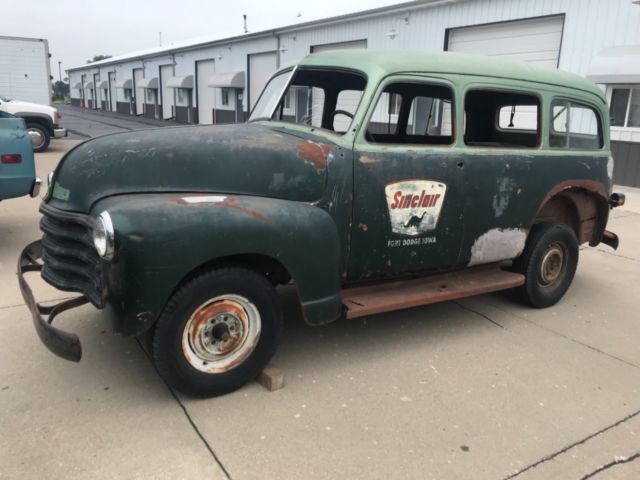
(25, 73)
(219, 80)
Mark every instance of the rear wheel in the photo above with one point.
(218, 332)
(549, 263)
(40, 137)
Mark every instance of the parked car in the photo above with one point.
(371, 181)
(42, 121)
(17, 169)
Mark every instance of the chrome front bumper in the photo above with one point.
(59, 132)
(64, 344)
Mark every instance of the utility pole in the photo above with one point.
(160, 35)
(244, 18)
(59, 70)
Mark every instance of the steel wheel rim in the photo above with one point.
(553, 264)
(221, 333)
(37, 138)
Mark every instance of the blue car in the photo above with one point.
(17, 168)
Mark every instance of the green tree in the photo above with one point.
(60, 90)
(97, 58)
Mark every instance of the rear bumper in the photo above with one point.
(35, 187)
(64, 344)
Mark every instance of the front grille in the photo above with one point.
(71, 262)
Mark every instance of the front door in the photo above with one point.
(408, 176)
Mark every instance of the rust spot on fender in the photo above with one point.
(231, 203)
(368, 160)
(315, 154)
(590, 185)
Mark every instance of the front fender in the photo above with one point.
(162, 238)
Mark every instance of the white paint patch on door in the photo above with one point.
(498, 244)
(414, 205)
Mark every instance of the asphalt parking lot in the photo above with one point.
(482, 388)
(82, 124)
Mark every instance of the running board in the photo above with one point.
(440, 287)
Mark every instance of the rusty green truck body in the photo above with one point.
(463, 158)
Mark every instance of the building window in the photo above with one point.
(624, 110)
(225, 96)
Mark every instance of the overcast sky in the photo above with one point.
(79, 29)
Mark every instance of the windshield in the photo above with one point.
(5, 99)
(319, 98)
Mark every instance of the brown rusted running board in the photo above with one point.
(441, 287)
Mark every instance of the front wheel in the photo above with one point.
(40, 137)
(218, 332)
(549, 262)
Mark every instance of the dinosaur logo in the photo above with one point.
(414, 205)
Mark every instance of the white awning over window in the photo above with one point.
(227, 80)
(616, 65)
(180, 82)
(125, 83)
(78, 86)
(104, 84)
(151, 82)
(88, 85)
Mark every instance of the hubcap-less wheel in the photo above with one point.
(553, 264)
(221, 333)
(37, 138)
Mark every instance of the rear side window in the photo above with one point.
(501, 119)
(574, 126)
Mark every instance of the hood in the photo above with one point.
(18, 105)
(248, 159)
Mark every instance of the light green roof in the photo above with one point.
(381, 63)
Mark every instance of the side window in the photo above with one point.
(412, 113)
(574, 126)
(501, 119)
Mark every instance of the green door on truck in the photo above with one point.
(408, 176)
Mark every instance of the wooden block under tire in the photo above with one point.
(271, 378)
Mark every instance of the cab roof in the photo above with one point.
(383, 63)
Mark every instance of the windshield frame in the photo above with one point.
(291, 73)
(365, 76)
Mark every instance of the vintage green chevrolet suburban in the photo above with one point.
(371, 181)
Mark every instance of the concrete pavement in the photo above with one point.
(483, 388)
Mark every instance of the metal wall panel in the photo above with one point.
(166, 93)
(138, 75)
(626, 170)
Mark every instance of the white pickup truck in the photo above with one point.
(41, 120)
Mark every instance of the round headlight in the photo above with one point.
(104, 236)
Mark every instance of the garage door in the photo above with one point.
(356, 44)
(534, 41)
(166, 72)
(261, 67)
(204, 71)
(347, 100)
